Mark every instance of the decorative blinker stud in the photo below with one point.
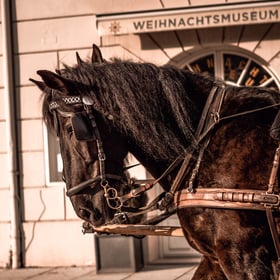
(87, 100)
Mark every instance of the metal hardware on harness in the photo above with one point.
(112, 198)
(167, 200)
(119, 218)
(72, 99)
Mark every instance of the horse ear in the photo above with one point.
(96, 56)
(39, 84)
(55, 81)
(79, 60)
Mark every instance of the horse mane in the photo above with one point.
(46, 113)
(149, 104)
(153, 105)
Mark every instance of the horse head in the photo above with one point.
(95, 180)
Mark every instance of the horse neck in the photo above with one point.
(198, 88)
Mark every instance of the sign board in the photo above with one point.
(189, 18)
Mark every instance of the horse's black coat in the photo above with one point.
(153, 112)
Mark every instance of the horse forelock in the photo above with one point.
(46, 113)
(148, 103)
(53, 96)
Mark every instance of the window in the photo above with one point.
(53, 160)
(234, 68)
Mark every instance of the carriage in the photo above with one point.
(212, 147)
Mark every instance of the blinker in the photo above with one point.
(82, 128)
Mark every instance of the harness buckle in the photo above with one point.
(216, 117)
(271, 200)
(168, 198)
(120, 218)
(101, 156)
(87, 228)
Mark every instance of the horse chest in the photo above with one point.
(237, 158)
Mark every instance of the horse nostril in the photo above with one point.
(88, 214)
(96, 214)
(84, 212)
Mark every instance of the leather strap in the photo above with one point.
(202, 126)
(274, 232)
(209, 117)
(273, 189)
(227, 199)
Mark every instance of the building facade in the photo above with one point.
(233, 40)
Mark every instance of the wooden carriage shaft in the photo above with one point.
(130, 229)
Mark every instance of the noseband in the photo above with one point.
(85, 129)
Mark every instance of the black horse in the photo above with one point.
(117, 107)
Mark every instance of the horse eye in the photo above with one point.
(69, 129)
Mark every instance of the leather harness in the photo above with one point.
(268, 201)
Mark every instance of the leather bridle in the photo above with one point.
(114, 201)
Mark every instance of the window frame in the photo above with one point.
(218, 53)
